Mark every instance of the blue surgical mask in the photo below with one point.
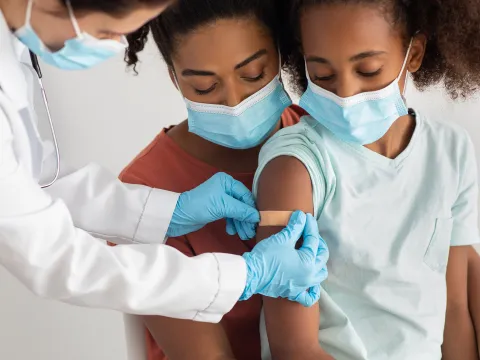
(363, 118)
(243, 126)
(82, 52)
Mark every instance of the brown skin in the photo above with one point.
(51, 21)
(340, 59)
(217, 49)
(292, 329)
(459, 334)
(205, 341)
(474, 291)
(229, 42)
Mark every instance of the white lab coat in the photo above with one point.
(46, 237)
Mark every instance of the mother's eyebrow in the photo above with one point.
(192, 72)
(251, 58)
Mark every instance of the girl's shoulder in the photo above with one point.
(444, 134)
(303, 142)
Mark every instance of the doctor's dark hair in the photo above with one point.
(113, 7)
(185, 16)
(452, 28)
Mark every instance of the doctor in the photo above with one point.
(48, 238)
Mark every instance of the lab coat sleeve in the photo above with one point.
(40, 245)
(120, 213)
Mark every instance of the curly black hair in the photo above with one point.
(452, 28)
(185, 16)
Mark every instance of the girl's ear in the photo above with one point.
(417, 52)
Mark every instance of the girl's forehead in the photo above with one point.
(355, 24)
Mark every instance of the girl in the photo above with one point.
(224, 60)
(395, 193)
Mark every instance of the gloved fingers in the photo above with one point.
(231, 229)
(240, 230)
(291, 234)
(309, 297)
(245, 230)
(237, 189)
(237, 210)
(323, 253)
(320, 276)
(311, 239)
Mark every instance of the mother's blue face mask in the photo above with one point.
(243, 126)
(82, 52)
(363, 118)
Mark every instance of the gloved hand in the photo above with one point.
(276, 269)
(219, 197)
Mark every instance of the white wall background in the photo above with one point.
(107, 115)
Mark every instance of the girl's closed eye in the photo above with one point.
(370, 73)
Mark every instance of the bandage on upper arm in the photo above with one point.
(274, 218)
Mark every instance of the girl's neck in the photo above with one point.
(397, 138)
(225, 159)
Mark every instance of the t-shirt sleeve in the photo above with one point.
(130, 176)
(295, 141)
(465, 208)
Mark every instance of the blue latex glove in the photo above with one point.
(219, 197)
(276, 269)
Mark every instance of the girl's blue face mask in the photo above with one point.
(82, 52)
(243, 126)
(363, 118)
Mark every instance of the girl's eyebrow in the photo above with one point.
(354, 58)
(366, 54)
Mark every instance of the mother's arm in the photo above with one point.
(189, 340)
(292, 329)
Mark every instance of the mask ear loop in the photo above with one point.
(403, 68)
(28, 14)
(73, 19)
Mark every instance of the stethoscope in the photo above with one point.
(36, 67)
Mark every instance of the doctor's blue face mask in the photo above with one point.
(363, 118)
(243, 126)
(82, 52)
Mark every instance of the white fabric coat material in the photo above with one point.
(47, 238)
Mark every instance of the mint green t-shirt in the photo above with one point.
(389, 225)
